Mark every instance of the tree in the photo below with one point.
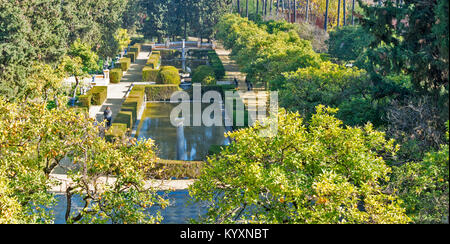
(80, 62)
(122, 38)
(407, 40)
(424, 186)
(35, 140)
(315, 172)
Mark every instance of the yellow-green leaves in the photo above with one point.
(319, 172)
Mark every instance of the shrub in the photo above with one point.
(160, 92)
(348, 42)
(85, 100)
(154, 61)
(168, 169)
(115, 75)
(99, 94)
(125, 117)
(216, 64)
(136, 48)
(168, 75)
(205, 75)
(116, 131)
(132, 56)
(149, 74)
(169, 53)
(125, 63)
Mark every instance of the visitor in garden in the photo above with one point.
(249, 84)
(236, 83)
(108, 116)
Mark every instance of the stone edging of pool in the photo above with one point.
(160, 185)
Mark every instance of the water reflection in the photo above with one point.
(155, 124)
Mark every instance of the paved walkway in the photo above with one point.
(117, 92)
(253, 99)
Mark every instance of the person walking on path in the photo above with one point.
(249, 84)
(108, 116)
(236, 83)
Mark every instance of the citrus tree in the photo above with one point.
(314, 172)
(109, 178)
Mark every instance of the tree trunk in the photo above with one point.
(307, 10)
(353, 10)
(239, 7)
(295, 11)
(325, 25)
(246, 8)
(343, 14)
(257, 7)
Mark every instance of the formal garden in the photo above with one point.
(125, 112)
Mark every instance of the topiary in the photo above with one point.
(168, 75)
(205, 75)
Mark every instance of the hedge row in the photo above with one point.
(158, 92)
(216, 64)
(149, 74)
(169, 169)
(115, 75)
(169, 53)
(132, 56)
(116, 131)
(136, 48)
(168, 75)
(96, 96)
(130, 108)
(124, 63)
(154, 61)
(205, 75)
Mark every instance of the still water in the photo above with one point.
(195, 140)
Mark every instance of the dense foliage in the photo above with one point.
(35, 140)
(315, 172)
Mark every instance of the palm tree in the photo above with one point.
(325, 25)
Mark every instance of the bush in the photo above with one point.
(125, 117)
(85, 100)
(125, 63)
(348, 43)
(154, 61)
(136, 48)
(149, 74)
(168, 169)
(205, 75)
(169, 53)
(115, 75)
(116, 131)
(216, 64)
(132, 56)
(99, 94)
(160, 92)
(168, 75)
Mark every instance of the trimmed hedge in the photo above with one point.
(154, 61)
(115, 75)
(99, 94)
(168, 75)
(216, 64)
(168, 169)
(125, 117)
(116, 130)
(160, 92)
(125, 63)
(136, 48)
(132, 56)
(205, 75)
(169, 53)
(85, 100)
(149, 74)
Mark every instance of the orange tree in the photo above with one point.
(314, 172)
(35, 140)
